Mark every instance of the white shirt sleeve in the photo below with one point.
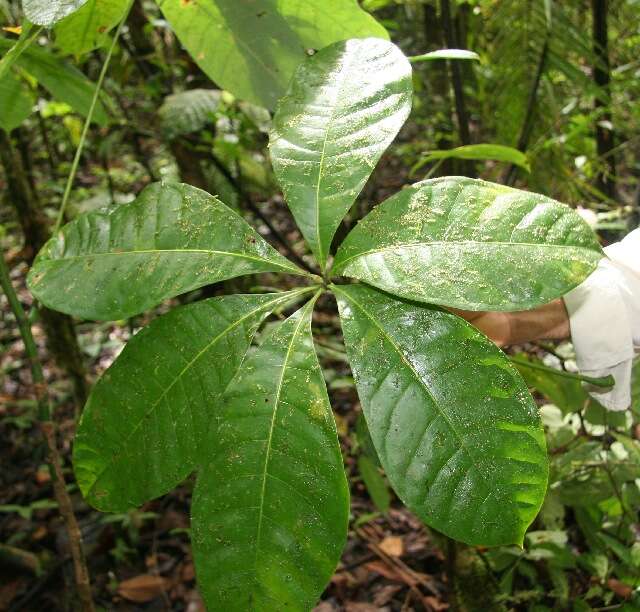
(604, 315)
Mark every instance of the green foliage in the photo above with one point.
(470, 244)
(64, 82)
(480, 152)
(166, 390)
(344, 107)
(451, 54)
(171, 239)
(257, 47)
(88, 27)
(16, 101)
(188, 111)
(457, 469)
(273, 489)
(450, 418)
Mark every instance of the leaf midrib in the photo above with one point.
(341, 265)
(303, 318)
(52, 260)
(153, 406)
(421, 383)
(332, 116)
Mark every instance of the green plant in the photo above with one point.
(452, 422)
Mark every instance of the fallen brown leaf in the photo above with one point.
(620, 588)
(143, 588)
(392, 545)
(435, 604)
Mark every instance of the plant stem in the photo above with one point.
(87, 123)
(527, 126)
(47, 426)
(604, 381)
(456, 79)
(606, 178)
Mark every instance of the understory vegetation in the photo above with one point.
(235, 236)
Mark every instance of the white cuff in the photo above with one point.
(604, 316)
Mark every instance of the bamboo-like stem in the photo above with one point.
(456, 79)
(47, 426)
(87, 123)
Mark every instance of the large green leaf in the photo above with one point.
(171, 239)
(48, 12)
(344, 107)
(16, 102)
(89, 27)
(270, 509)
(64, 82)
(471, 244)
(141, 431)
(252, 48)
(455, 428)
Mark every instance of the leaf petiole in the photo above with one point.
(604, 381)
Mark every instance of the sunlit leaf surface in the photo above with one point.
(271, 507)
(453, 423)
(344, 107)
(471, 244)
(172, 238)
(48, 12)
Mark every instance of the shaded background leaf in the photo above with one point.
(257, 46)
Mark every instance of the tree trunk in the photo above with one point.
(61, 338)
(606, 178)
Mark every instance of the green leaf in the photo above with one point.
(252, 49)
(172, 238)
(270, 509)
(375, 483)
(142, 428)
(88, 28)
(344, 107)
(479, 152)
(48, 12)
(60, 79)
(455, 428)
(471, 244)
(12, 51)
(450, 54)
(188, 111)
(16, 102)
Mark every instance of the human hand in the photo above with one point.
(548, 322)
